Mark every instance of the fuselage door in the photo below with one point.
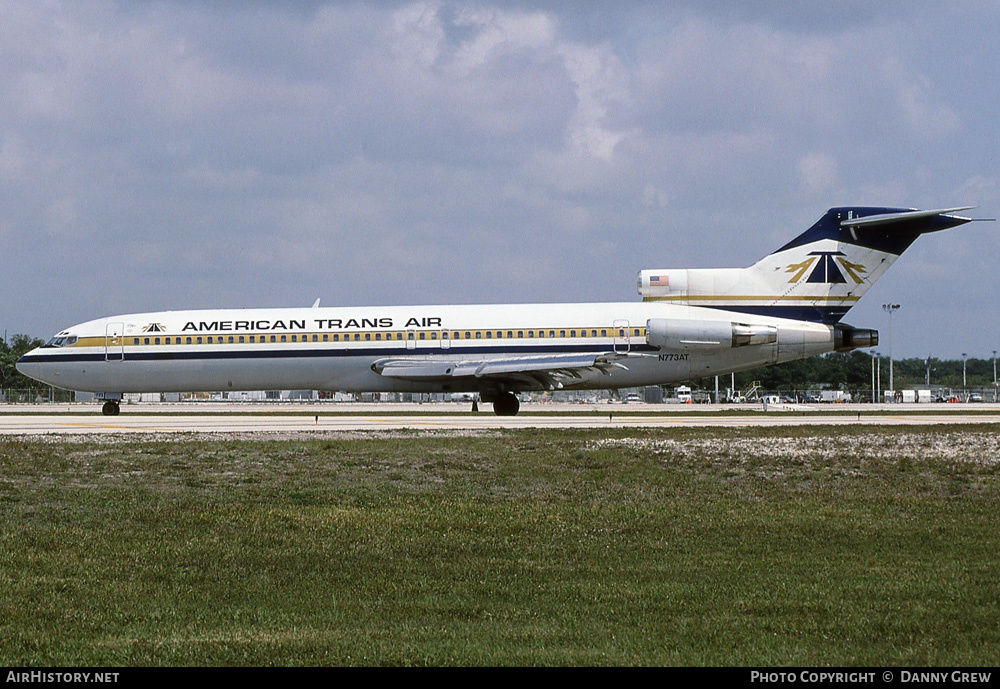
(622, 341)
(445, 339)
(411, 339)
(114, 342)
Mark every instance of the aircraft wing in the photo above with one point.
(546, 371)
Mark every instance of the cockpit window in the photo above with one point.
(61, 341)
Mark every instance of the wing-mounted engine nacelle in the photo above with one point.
(846, 338)
(675, 333)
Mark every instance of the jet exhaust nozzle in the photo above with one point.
(847, 338)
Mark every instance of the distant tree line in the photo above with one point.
(853, 371)
(11, 349)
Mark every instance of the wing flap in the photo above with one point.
(543, 367)
(415, 368)
(493, 367)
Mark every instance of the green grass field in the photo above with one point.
(795, 546)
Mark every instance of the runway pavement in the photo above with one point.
(75, 419)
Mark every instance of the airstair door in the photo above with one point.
(114, 342)
(622, 340)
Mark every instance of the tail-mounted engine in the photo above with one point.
(679, 334)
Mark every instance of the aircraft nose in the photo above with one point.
(25, 365)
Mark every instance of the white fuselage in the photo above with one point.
(340, 348)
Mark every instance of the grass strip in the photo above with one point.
(818, 546)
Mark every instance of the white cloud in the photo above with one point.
(498, 31)
(819, 175)
(601, 82)
(922, 109)
(982, 190)
(417, 33)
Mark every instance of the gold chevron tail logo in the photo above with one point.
(855, 270)
(799, 269)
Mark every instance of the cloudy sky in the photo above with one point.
(172, 155)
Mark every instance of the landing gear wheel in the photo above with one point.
(111, 408)
(506, 404)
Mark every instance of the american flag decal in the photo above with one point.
(659, 280)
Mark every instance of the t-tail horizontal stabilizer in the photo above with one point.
(818, 276)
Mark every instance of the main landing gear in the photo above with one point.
(506, 404)
(111, 408)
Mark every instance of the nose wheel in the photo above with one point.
(111, 408)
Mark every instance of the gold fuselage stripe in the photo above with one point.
(345, 336)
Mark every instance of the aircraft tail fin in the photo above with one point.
(818, 276)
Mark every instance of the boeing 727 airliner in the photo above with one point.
(690, 323)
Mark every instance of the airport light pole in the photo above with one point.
(874, 357)
(878, 375)
(963, 371)
(890, 308)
